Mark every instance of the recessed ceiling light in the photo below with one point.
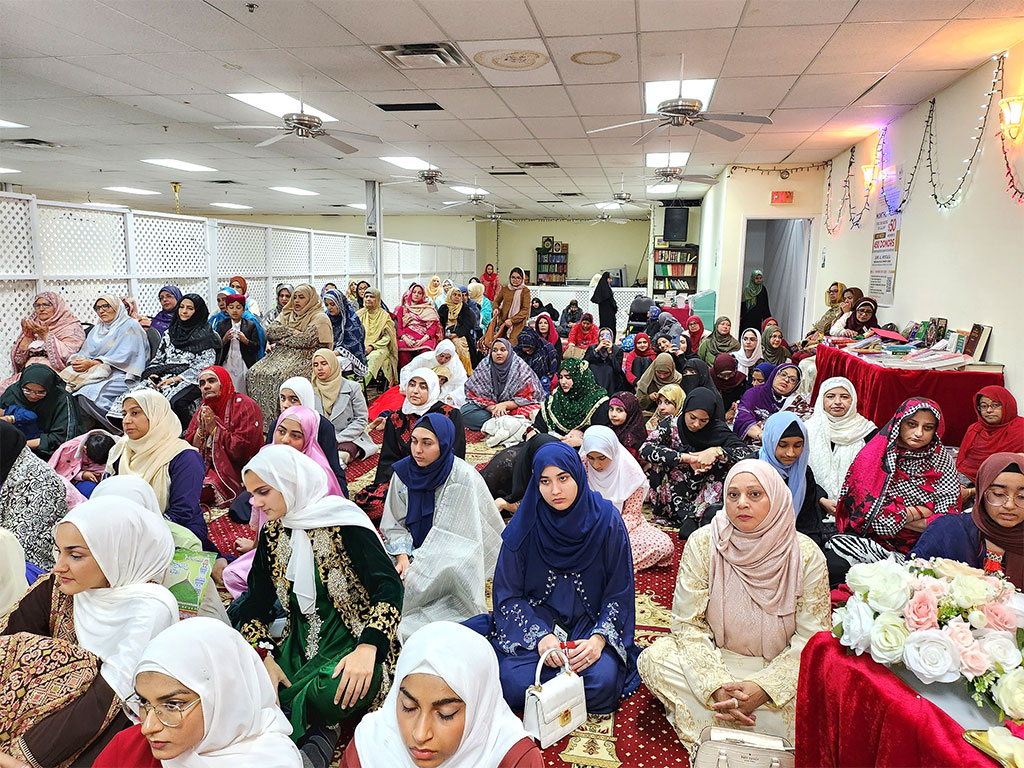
(236, 206)
(9, 124)
(132, 190)
(662, 189)
(657, 91)
(608, 206)
(9, 170)
(294, 191)
(665, 159)
(469, 190)
(360, 206)
(280, 104)
(409, 163)
(179, 165)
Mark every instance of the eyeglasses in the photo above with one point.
(833, 290)
(170, 714)
(990, 406)
(33, 392)
(864, 310)
(101, 307)
(998, 499)
(40, 304)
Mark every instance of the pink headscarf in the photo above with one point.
(309, 421)
(756, 577)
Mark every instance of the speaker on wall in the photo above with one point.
(676, 221)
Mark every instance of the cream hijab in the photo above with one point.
(830, 464)
(623, 476)
(433, 392)
(132, 547)
(303, 484)
(466, 662)
(150, 456)
(745, 362)
(243, 724)
(301, 320)
(12, 571)
(328, 388)
(755, 578)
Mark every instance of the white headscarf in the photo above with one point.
(829, 464)
(623, 476)
(12, 571)
(454, 390)
(303, 484)
(466, 662)
(433, 392)
(132, 547)
(243, 724)
(134, 488)
(303, 389)
(745, 362)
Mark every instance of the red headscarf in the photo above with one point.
(227, 390)
(726, 364)
(239, 278)
(1011, 540)
(695, 336)
(552, 334)
(576, 333)
(982, 440)
(492, 283)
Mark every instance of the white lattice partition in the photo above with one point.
(290, 252)
(17, 303)
(428, 260)
(390, 287)
(330, 258)
(82, 242)
(17, 238)
(360, 257)
(168, 250)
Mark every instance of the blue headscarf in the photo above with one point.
(653, 312)
(423, 482)
(354, 339)
(766, 370)
(569, 539)
(338, 321)
(795, 475)
(161, 321)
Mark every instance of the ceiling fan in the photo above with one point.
(431, 177)
(679, 112)
(604, 216)
(494, 217)
(475, 199)
(305, 126)
(671, 175)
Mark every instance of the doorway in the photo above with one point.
(781, 249)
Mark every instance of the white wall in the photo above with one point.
(459, 231)
(712, 223)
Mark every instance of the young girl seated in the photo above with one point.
(667, 402)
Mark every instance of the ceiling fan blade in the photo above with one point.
(623, 125)
(399, 176)
(353, 136)
(619, 221)
(396, 183)
(719, 130)
(452, 204)
(341, 146)
(247, 127)
(595, 222)
(699, 179)
(599, 202)
(737, 118)
(506, 223)
(653, 130)
(274, 139)
(641, 202)
(431, 186)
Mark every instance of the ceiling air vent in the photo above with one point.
(412, 106)
(549, 202)
(31, 143)
(508, 173)
(545, 164)
(422, 55)
(569, 194)
(222, 181)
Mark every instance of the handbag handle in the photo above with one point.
(723, 761)
(543, 658)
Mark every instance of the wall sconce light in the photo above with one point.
(870, 173)
(1011, 116)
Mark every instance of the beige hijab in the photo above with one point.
(756, 577)
(328, 388)
(12, 571)
(300, 321)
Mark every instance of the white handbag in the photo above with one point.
(556, 708)
(729, 748)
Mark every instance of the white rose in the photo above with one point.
(1016, 602)
(970, 591)
(1001, 647)
(932, 656)
(886, 583)
(838, 616)
(861, 576)
(977, 619)
(888, 634)
(857, 625)
(1008, 693)
(950, 569)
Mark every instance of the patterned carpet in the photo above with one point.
(637, 735)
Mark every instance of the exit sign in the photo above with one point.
(782, 197)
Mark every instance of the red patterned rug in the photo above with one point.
(637, 735)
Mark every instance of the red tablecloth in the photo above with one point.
(852, 712)
(881, 390)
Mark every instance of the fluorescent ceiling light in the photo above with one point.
(662, 189)
(132, 190)
(360, 206)
(657, 91)
(179, 165)
(294, 191)
(280, 104)
(667, 159)
(236, 206)
(409, 163)
(608, 206)
(9, 170)
(470, 190)
(9, 124)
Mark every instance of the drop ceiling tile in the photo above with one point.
(965, 43)
(761, 156)
(432, 79)
(993, 9)
(827, 138)
(733, 94)
(606, 145)
(556, 128)
(580, 165)
(763, 51)
(707, 142)
(191, 21)
(279, 70)
(355, 67)
(810, 155)
(538, 101)
(472, 149)
(213, 73)
(882, 44)
(71, 76)
(18, 85)
(481, 19)
(518, 62)
(476, 103)
(445, 130)
(566, 51)
(611, 99)
(712, 158)
(907, 10)
(383, 21)
(104, 25)
(784, 13)
(294, 23)
(622, 161)
(569, 18)
(502, 128)
(828, 90)
(704, 53)
(909, 87)
(658, 15)
(790, 120)
(854, 123)
(787, 141)
(19, 28)
(135, 73)
(518, 148)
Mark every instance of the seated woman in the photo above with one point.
(661, 372)
(39, 405)
(695, 330)
(546, 329)
(72, 642)
(283, 293)
(667, 403)
(422, 396)
(539, 355)
(507, 474)
(617, 477)
(863, 319)
(227, 430)
(626, 418)
(582, 335)
(605, 360)
(32, 497)
(571, 315)
(730, 383)
(111, 360)
(349, 334)
(443, 709)
(899, 481)
(850, 296)
(758, 403)
(50, 335)
(502, 385)
(576, 403)
(300, 330)
(511, 311)
(998, 429)
(834, 308)
(721, 341)
(689, 456)
(442, 527)
(458, 324)
(338, 653)
(635, 363)
(750, 592)
(759, 374)
(202, 694)
(342, 402)
(418, 324)
(476, 293)
(750, 353)
(835, 435)
(564, 567)
(381, 341)
(453, 391)
(13, 571)
(240, 340)
(773, 346)
(991, 535)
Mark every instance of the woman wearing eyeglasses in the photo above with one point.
(39, 405)
(997, 430)
(49, 335)
(778, 393)
(834, 304)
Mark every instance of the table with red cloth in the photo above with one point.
(881, 390)
(853, 712)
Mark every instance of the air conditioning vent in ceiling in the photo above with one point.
(422, 55)
(549, 202)
(569, 194)
(30, 143)
(222, 181)
(412, 106)
(544, 164)
(508, 173)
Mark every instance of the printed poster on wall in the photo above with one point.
(884, 250)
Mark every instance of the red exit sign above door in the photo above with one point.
(782, 197)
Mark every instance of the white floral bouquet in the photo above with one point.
(942, 620)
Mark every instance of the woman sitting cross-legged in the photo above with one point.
(502, 385)
(750, 592)
(778, 393)
(659, 373)
(444, 709)
(339, 590)
(578, 402)
(442, 527)
(39, 405)
(342, 402)
(539, 355)
(564, 571)
(667, 402)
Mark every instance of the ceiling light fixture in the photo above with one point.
(360, 206)
(409, 163)
(131, 190)
(280, 104)
(179, 165)
(607, 206)
(9, 170)
(469, 190)
(293, 191)
(233, 206)
(666, 159)
(662, 189)
(9, 124)
(657, 91)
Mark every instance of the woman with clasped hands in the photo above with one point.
(750, 592)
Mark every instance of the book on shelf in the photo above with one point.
(977, 339)
(984, 367)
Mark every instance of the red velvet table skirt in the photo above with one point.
(881, 390)
(852, 712)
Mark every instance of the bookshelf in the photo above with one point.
(552, 268)
(675, 270)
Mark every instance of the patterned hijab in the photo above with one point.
(424, 312)
(497, 383)
(566, 411)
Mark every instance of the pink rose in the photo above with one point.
(1000, 616)
(922, 611)
(959, 631)
(973, 661)
(933, 585)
